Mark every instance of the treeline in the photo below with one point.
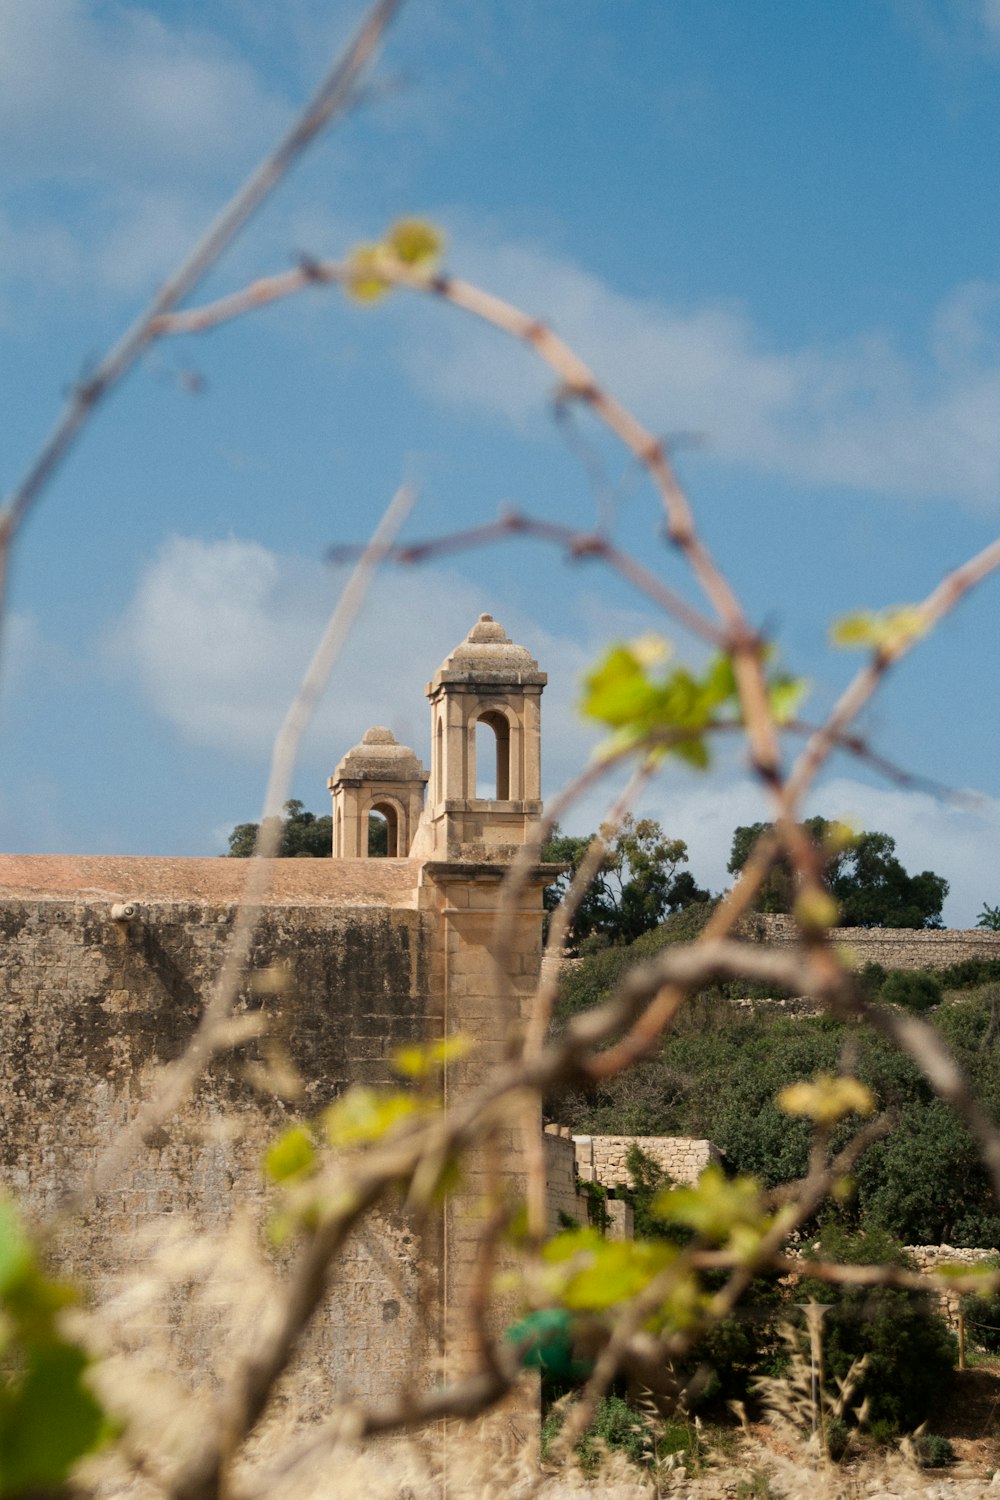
(640, 879)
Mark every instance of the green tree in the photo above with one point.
(638, 883)
(776, 893)
(869, 882)
(304, 835)
(989, 918)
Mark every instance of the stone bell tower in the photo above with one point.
(486, 680)
(380, 775)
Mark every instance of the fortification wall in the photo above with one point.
(89, 1010)
(892, 947)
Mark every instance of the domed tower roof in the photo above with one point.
(489, 656)
(379, 757)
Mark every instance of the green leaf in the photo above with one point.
(17, 1258)
(888, 630)
(592, 1274)
(715, 1207)
(785, 695)
(617, 1272)
(292, 1155)
(363, 1115)
(417, 1062)
(48, 1421)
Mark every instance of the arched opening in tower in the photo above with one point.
(493, 751)
(383, 831)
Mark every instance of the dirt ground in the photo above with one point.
(970, 1418)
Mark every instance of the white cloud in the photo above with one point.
(83, 89)
(989, 12)
(147, 232)
(119, 132)
(856, 413)
(219, 633)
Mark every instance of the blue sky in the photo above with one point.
(770, 226)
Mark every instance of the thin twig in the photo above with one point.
(177, 1080)
(938, 603)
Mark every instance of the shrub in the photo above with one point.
(933, 1451)
(916, 989)
(620, 1428)
(648, 1179)
(911, 1353)
(871, 979)
(969, 972)
(596, 1195)
(724, 1364)
(838, 1438)
(925, 1184)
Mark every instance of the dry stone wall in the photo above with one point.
(892, 947)
(601, 1158)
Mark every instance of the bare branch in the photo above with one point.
(577, 545)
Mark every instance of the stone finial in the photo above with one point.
(379, 757)
(489, 655)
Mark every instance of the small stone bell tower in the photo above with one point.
(486, 680)
(380, 775)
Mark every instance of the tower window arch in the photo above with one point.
(493, 720)
(383, 830)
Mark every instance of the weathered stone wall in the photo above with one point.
(89, 1010)
(601, 1158)
(560, 1178)
(892, 947)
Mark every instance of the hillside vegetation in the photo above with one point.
(719, 1070)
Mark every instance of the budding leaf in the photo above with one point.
(417, 1062)
(816, 911)
(888, 631)
(364, 284)
(363, 1115)
(785, 694)
(715, 1207)
(415, 242)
